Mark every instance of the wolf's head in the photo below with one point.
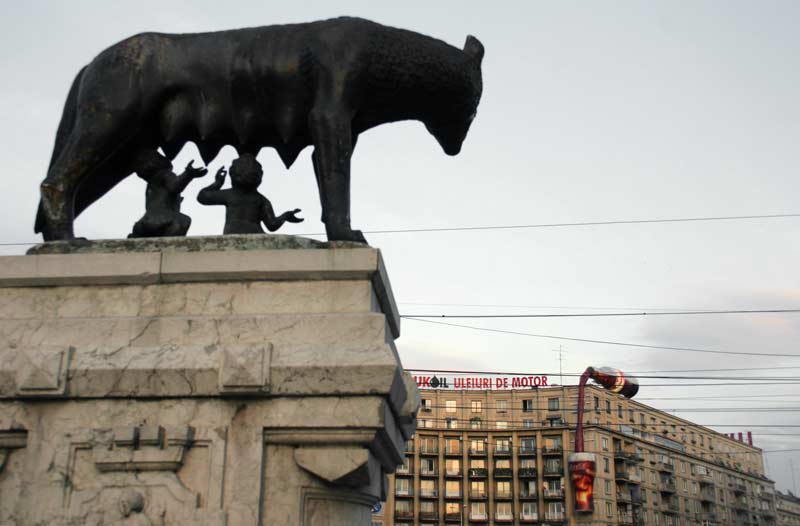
(449, 120)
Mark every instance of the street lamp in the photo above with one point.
(582, 465)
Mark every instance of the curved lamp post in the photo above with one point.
(582, 465)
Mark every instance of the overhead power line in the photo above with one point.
(602, 342)
(579, 224)
(542, 225)
(606, 314)
(463, 373)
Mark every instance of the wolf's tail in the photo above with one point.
(68, 118)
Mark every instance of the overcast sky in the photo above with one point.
(591, 111)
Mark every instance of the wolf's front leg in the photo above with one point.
(333, 146)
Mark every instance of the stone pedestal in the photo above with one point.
(201, 381)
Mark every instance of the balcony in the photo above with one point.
(477, 451)
(625, 456)
(403, 493)
(477, 495)
(622, 475)
(553, 493)
(625, 519)
(453, 494)
(623, 497)
(527, 495)
(503, 472)
(452, 451)
(452, 472)
(502, 495)
(503, 517)
(429, 451)
(478, 517)
(478, 473)
(428, 472)
(554, 517)
(428, 516)
(667, 486)
(528, 517)
(739, 505)
(739, 487)
(670, 507)
(553, 471)
(666, 467)
(708, 517)
(527, 473)
(428, 493)
(502, 451)
(452, 517)
(554, 449)
(526, 451)
(705, 479)
(404, 515)
(707, 495)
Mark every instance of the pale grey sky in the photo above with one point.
(591, 111)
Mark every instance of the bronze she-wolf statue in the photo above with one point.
(285, 86)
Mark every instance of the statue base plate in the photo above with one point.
(202, 381)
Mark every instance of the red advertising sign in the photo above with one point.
(480, 382)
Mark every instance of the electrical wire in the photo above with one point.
(603, 342)
(602, 315)
(467, 374)
(542, 225)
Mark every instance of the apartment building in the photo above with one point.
(499, 457)
(788, 508)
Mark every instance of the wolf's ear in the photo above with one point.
(474, 48)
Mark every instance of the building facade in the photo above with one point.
(788, 508)
(500, 458)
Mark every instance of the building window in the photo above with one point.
(608, 407)
(428, 445)
(502, 406)
(530, 511)
(477, 511)
(502, 488)
(452, 509)
(608, 487)
(605, 444)
(475, 422)
(503, 511)
(552, 404)
(527, 406)
(630, 415)
(501, 424)
(477, 489)
(502, 445)
(402, 486)
(452, 467)
(477, 445)
(609, 509)
(476, 406)
(452, 488)
(527, 445)
(402, 507)
(451, 423)
(450, 406)
(426, 405)
(606, 468)
(619, 411)
(427, 488)
(555, 511)
(596, 403)
(427, 466)
(528, 423)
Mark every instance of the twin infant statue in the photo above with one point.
(245, 208)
